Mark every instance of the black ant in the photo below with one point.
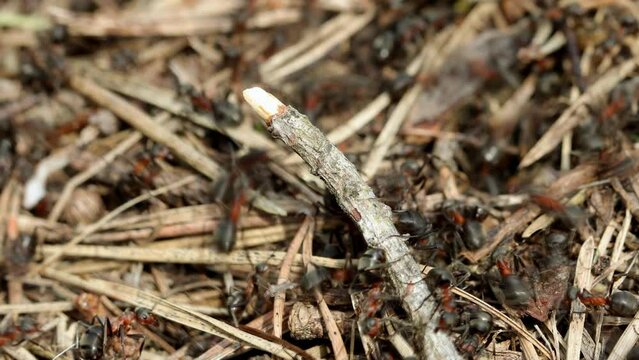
(91, 345)
(468, 220)
(515, 291)
(20, 253)
(477, 324)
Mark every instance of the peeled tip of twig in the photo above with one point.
(265, 104)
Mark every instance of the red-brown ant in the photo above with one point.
(440, 281)
(233, 188)
(128, 318)
(115, 338)
(621, 303)
(468, 219)
(145, 166)
(370, 326)
(11, 333)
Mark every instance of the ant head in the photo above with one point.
(314, 277)
(261, 268)
(480, 321)
(439, 277)
(371, 260)
(144, 316)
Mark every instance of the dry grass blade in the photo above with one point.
(627, 340)
(339, 350)
(620, 241)
(352, 26)
(583, 278)
(184, 255)
(167, 23)
(168, 310)
(57, 306)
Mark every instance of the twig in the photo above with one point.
(184, 255)
(337, 343)
(371, 216)
(285, 269)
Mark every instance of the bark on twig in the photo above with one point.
(372, 217)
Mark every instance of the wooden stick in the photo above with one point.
(372, 217)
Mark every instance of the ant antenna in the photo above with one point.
(65, 350)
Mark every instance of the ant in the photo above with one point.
(128, 318)
(10, 333)
(20, 253)
(515, 291)
(477, 324)
(569, 214)
(621, 303)
(412, 222)
(468, 220)
(247, 300)
(146, 166)
(111, 338)
(440, 281)
(557, 245)
(91, 345)
(233, 188)
(396, 39)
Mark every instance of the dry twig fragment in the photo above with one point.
(372, 217)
